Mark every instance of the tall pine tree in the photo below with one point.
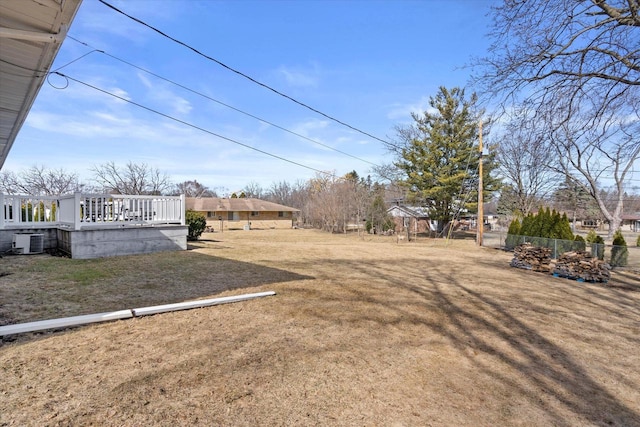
(439, 157)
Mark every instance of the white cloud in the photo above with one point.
(162, 94)
(307, 127)
(145, 80)
(403, 111)
(300, 76)
(121, 93)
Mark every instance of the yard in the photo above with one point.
(362, 331)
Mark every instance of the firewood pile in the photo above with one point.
(531, 258)
(581, 266)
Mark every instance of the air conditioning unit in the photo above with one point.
(28, 243)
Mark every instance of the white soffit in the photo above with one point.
(31, 33)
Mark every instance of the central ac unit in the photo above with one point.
(28, 243)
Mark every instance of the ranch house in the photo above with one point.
(241, 213)
(415, 219)
(631, 222)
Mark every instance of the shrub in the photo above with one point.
(526, 227)
(597, 248)
(579, 243)
(597, 244)
(513, 235)
(196, 222)
(591, 236)
(638, 241)
(619, 251)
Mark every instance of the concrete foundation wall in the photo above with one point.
(106, 242)
(99, 243)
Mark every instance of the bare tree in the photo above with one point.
(134, 178)
(193, 189)
(253, 190)
(296, 195)
(321, 204)
(588, 49)
(576, 64)
(526, 163)
(280, 192)
(596, 150)
(334, 203)
(39, 180)
(9, 183)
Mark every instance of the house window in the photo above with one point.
(230, 216)
(211, 214)
(255, 213)
(280, 214)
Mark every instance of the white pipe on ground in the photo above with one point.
(145, 311)
(64, 322)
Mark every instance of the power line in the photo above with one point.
(42, 72)
(191, 125)
(241, 73)
(214, 100)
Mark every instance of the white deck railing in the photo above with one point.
(78, 211)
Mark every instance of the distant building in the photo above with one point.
(632, 221)
(412, 218)
(241, 213)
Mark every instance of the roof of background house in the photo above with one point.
(31, 33)
(412, 211)
(631, 217)
(216, 204)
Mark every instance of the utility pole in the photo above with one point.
(480, 200)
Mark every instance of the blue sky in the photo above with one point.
(366, 63)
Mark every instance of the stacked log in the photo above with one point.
(581, 266)
(532, 258)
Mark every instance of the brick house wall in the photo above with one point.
(237, 220)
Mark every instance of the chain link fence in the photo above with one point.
(617, 256)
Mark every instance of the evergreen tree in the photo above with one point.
(513, 235)
(548, 229)
(571, 197)
(527, 225)
(580, 244)
(597, 244)
(546, 222)
(379, 218)
(561, 229)
(619, 251)
(591, 236)
(439, 157)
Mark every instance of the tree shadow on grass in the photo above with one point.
(486, 323)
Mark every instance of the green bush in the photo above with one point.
(638, 241)
(196, 222)
(597, 244)
(513, 235)
(526, 229)
(619, 251)
(547, 229)
(579, 243)
(591, 236)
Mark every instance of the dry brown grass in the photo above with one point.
(361, 332)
